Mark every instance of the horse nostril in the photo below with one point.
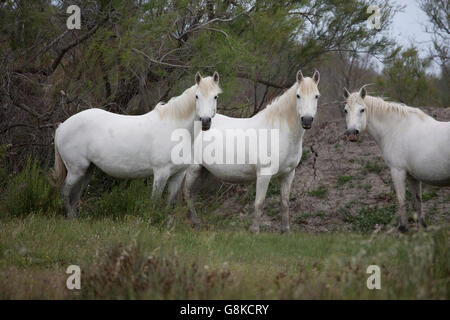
(206, 122)
(357, 131)
(301, 118)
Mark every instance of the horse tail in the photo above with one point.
(59, 172)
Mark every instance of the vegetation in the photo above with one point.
(130, 258)
(367, 219)
(344, 179)
(320, 192)
(128, 56)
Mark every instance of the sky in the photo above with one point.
(408, 27)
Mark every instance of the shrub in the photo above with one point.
(3, 172)
(127, 197)
(30, 191)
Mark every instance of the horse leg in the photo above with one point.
(159, 183)
(174, 185)
(71, 191)
(192, 174)
(398, 178)
(285, 190)
(415, 187)
(262, 182)
(82, 184)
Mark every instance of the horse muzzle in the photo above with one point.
(352, 134)
(307, 122)
(206, 123)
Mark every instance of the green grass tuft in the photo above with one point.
(367, 218)
(30, 191)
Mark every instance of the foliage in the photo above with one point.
(406, 80)
(30, 192)
(132, 259)
(367, 218)
(320, 192)
(129, 55)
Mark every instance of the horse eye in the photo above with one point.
(317, 96)
(196, 97)
(298, 96)
(215, 97)
(362, 111)
(345, 110)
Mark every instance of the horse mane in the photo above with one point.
(378, 106)
(183, 106)
(284, 107)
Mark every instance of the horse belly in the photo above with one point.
(433, 176)
(433, 169)
(429, 157)
(234, 173)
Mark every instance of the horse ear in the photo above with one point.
(299, 76)
(362, 92)
(216, 76)
(316, 76)
(346, 93)
(198, 77)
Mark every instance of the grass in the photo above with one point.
(320, 192)
(131, 258)
(341, 180)
(372, 167)
(367, 218)
(126, 251)
(30, 191)
(431, 193)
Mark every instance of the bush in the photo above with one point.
(30, 191)
(3, 172)
(129, 197)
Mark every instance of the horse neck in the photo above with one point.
(381, 125)
(185, 116)
(283, 111)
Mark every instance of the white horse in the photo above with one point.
(415, 146)
(130, 146)
(289, 114)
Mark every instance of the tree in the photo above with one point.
(438, 12)
(129, 55)
(405, 79)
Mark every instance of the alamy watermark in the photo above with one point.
(374, 20)
(374, 280)
(74, 280)
(74, 20)
(231, 146)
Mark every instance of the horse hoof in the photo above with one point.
(402, 229)
(254, 229)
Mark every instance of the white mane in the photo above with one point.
(183, 106)
(377, 106)
(284, 107)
